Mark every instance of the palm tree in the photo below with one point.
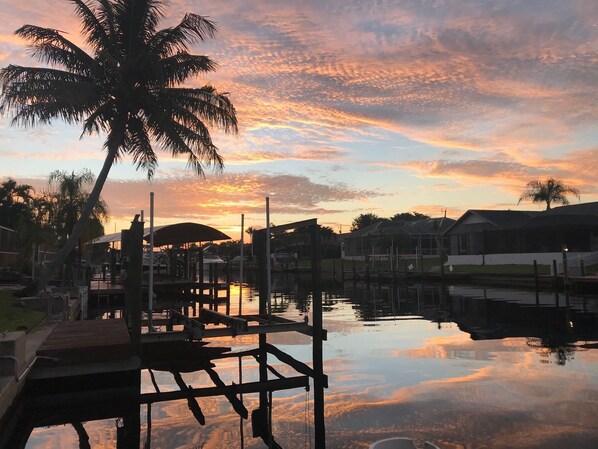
(68, 196)
(551, 191)
(127, 89)
(15, 200)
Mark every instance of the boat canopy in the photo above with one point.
(174, 234)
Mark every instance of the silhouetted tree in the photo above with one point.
(409, 216)
(364, 220)
(550, 191)
(15, 200)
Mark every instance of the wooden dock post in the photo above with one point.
(132, 240)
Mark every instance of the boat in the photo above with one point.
(400, 443)
(212, 258)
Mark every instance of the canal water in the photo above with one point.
(460, 366)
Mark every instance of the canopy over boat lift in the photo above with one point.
(173, 234)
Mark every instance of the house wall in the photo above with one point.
(359, 247)
(9, 247)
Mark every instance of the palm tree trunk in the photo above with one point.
(75, 235)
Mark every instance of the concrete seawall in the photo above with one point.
(23, 348)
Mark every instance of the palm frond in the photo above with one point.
(38, 95)
(214, 108)
(99, 119)
(191, 29)
(49, 46)
(96, 23)
(178, 68)
(179, 139)
(140, 147)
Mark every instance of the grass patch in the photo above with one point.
(14, 316)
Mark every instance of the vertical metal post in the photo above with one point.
(150, 288)
(318, 358)
(268, 260)
(241, 266)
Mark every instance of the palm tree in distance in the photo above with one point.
(551, 191)
(68, 195)
(126, 89)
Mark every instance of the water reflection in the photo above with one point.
(459, 366)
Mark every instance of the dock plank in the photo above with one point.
(93, 340)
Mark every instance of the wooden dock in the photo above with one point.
(77, 348)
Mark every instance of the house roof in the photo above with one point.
(577, 214)
(575, 209)
(561, 220)
(417, 227)
(497, 218)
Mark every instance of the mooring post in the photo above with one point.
(565, 269)
(318, 358)
(133, 249)
(112, 253)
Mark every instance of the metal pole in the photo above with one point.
(150, 288)
(317, 350)
(268, 260)
(241, 265)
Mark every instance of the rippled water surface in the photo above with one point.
(464, 367)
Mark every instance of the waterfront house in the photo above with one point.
(510, 237)
(419, 237)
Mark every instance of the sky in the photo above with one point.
(348, 107)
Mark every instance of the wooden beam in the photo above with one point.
(164, 336)
(191, 402)
(232, 398)
(212, 317)
(247, 353)
(194, 327)
(250, 387)
(308, 330)
(264, 329)
(300, 367)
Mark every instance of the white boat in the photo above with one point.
(212, 258)
(400, 443)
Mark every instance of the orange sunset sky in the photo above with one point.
(348, 107)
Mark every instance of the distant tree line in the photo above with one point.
(363, 220)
